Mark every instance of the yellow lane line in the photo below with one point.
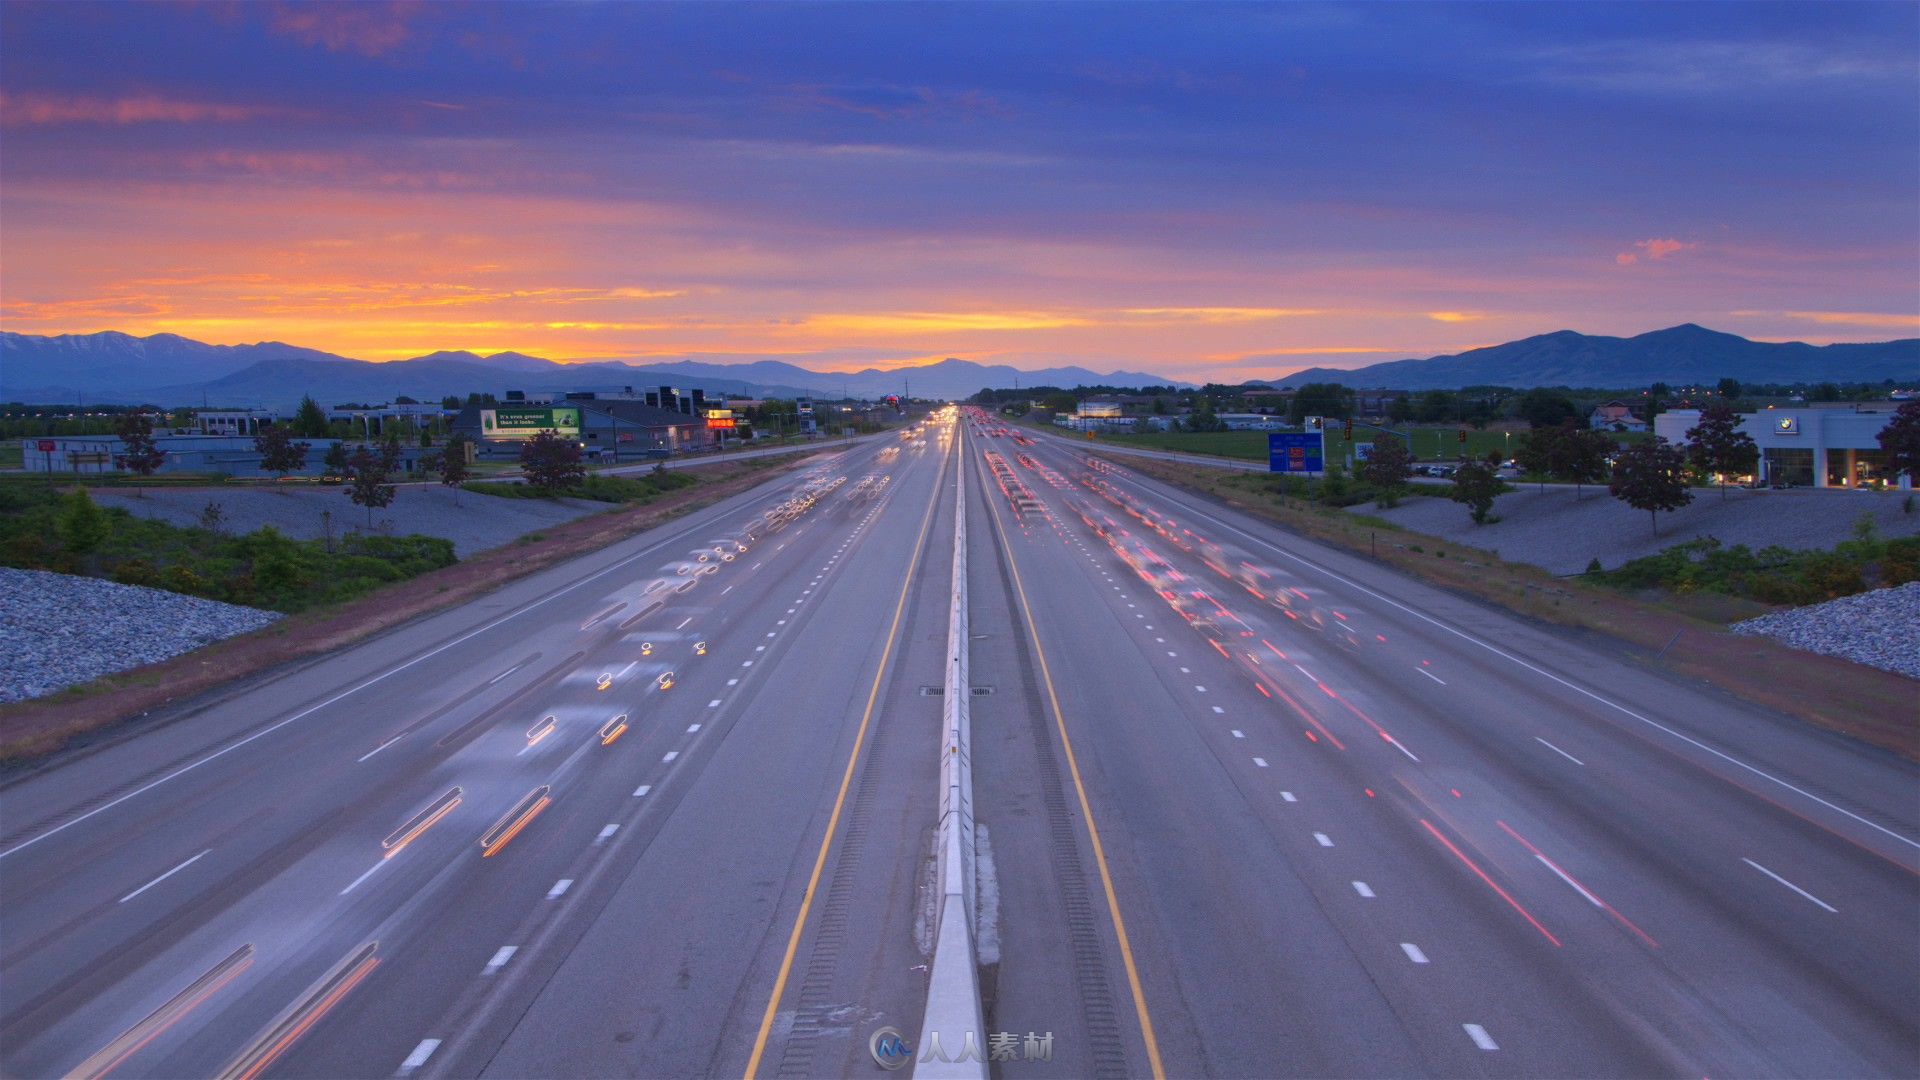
(1093, 832)
(846, 779)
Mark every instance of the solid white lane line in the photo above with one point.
(559, 888)
(1413, 952)
(642, 790)
(500, 957)
(671, 754)
(1480, 1037)
(163, 877)
(1363, 889)
(1574, 885)
(363, 877)
(1557, 750)
(1431, 675)
(1288, 796)
(684, 622)
(1321, 839)
(420, 1055)
(1829, 907)
(606, 832)
(382, 746)
(1238, 734)
(1575, 687)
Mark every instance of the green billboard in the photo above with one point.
(525, 423)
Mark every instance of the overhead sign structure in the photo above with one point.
(526, 423)
(1296, 451)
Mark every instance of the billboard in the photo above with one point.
(1296, 452)
(525, 423)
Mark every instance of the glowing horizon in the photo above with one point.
(1210, 194)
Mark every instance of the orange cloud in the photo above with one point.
(1653, 250)
(1876, 320)
(1456, 316)
(22, 110)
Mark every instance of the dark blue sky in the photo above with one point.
(1200, 190)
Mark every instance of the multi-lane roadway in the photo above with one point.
(1246, 806)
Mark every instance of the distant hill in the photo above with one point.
(96, 365)
(115, 368)
(1678, 355)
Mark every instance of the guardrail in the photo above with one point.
(954, 1016)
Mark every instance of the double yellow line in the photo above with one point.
(1086, 811)
(846, 780)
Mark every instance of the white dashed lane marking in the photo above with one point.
(504, 954)
(1321, 839)
(1480, 1037)
(560, 888)
(1413, 952)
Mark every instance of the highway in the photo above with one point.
(1246, 806)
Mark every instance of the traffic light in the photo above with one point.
(1463, 434)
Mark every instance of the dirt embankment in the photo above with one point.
(34, 729)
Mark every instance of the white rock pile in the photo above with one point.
(57, 630)
(1880, 628)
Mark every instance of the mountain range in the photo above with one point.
(165, 369)
(1679, 355)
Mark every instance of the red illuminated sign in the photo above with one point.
(720, 422)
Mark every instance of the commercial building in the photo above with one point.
(621, 426)
(1810, 447)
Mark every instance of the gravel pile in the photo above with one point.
(57, 630)
(1879, 628)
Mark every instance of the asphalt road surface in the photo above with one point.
(1250, 807)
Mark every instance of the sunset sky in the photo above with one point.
(1202, 192)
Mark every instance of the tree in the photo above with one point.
(1729, 388)
(1321, 399)
(1900, 440)
(310, 420)
(279, 454)
(1825, 391)
(1203, 418)
(140, 455)
(1436, 407)
(1579, 456)
(337, 462)
(1476, 484)
(1651, 476)
(451, 464)
(1544, 408)
(1717, 445)
(1537, 452)
(1400, 410)
(369, 487)
(82, 525)
(551, 463)
(1388, 467)
(1060, 402)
